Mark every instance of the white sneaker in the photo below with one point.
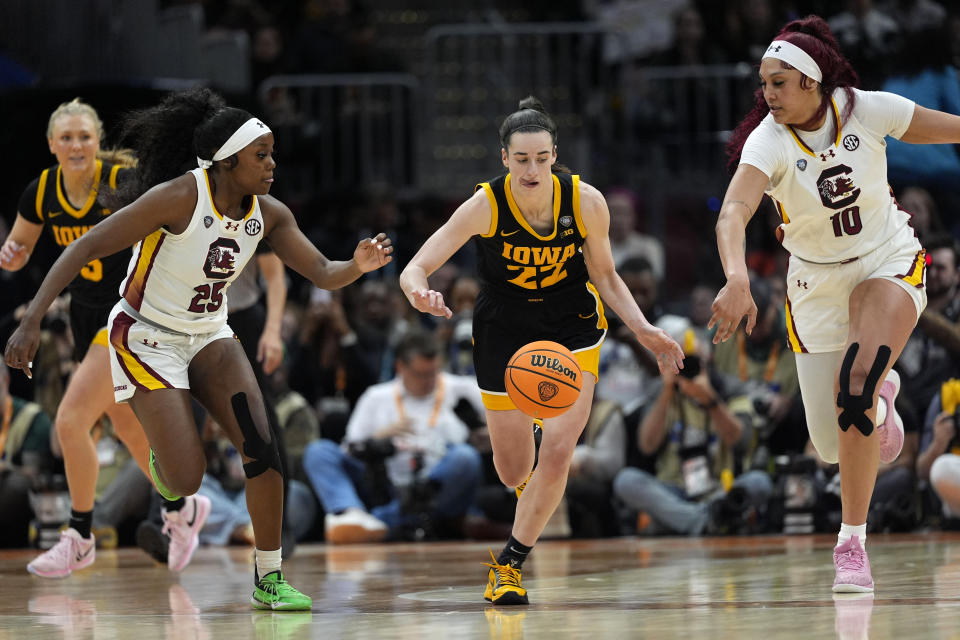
(183, 528)
(352, 526)
(70, 553)
(889, 424)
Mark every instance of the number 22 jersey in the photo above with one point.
(179, 281)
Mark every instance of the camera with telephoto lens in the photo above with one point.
(692, 366)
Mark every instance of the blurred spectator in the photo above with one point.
(339, 36)
(690, 45)
(939, 460)
(915, 15)
(921, 205)
(599, 455)
(625, 241)
(404, 463)
(921, 71)
(748, 27)
(457, 333)
(641, 27)
(764, 362)
(267, 55)
(699, 428)
(25, 452)
(869, 39)
(932, 354)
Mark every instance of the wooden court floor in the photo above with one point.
(737, 588)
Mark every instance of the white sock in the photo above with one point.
(267, 561)
(847, 531)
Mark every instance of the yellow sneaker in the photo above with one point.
(503, 584)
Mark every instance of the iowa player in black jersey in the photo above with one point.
(64, 200)
(544, 265)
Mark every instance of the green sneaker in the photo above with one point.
(274, 592)
(161, 488)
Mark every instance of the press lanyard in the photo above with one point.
(437, 402)
(772, 359)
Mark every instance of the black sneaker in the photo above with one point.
(152, 540)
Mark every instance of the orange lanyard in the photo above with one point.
(437, 402)
(772, 359)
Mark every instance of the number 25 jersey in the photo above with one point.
(180, 281)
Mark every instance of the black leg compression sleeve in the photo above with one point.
(264, 455)
(853, 408)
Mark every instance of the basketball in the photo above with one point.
(543, 379)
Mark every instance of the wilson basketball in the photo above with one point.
(543, 379)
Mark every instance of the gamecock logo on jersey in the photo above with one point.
(221, 259)
(836, 187)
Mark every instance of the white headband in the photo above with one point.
(247, 133)
(795, 57)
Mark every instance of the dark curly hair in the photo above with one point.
(169, 137)
(813, 35)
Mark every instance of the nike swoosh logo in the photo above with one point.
(589, 316)
(504, 233)
(194, 518)
(53, 214)
(81, 556)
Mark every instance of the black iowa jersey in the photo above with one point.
(518, 262)
(45, 202)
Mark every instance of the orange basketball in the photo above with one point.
(543, 379)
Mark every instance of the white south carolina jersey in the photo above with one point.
(180, 281)
(830, 185)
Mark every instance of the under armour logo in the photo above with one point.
(829, 153)
(154, 345)
(231, 226)
(775, 49)
(802, 284)
(261, 125)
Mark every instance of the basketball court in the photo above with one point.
(711, 588)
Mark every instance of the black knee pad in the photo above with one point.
(853, 409)
(263, 455)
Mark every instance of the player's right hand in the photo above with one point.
(732, 303)
(22, 346)
(430, 301)
(12, 254)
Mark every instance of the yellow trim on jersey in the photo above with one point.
(41, 187)
(91, 197)
(792, 338)
(492, 199)
(100, 338)
(783, 212)
(803, 145)
(135, 369)
(601, 316)
(515, 210)
(113, 176)
(582, 228)
(213, 205)
(915, 277)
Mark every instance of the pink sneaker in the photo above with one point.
(890, 426)
(183, 527)
(70, 553)
(853, 568)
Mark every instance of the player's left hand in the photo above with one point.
(373, 253)
(668, 353)
(270, 351)
(22, 347)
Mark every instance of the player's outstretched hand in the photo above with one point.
(732, 303)
(430, 301)
(668, 353)
(373, 253)
(22, 346)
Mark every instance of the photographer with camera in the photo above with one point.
(699, 428)
(939, 462)
(405, 461)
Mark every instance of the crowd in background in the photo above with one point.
(377, 405)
